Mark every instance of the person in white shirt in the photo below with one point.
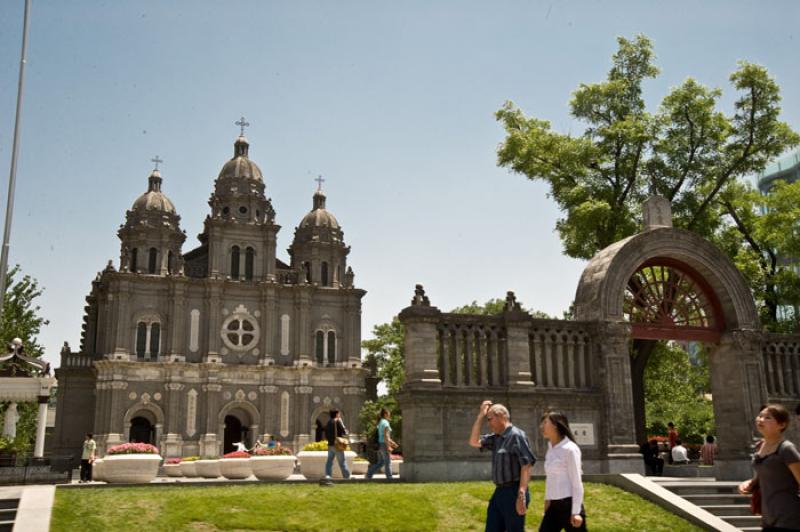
(680, 455)
(563, 493)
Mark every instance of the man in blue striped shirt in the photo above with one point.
(512, 460)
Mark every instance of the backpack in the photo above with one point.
(372, 447)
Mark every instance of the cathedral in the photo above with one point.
(195, 351)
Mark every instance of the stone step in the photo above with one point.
(740, 521)
(681, 488)
(712, 499)
(727, 509)
(6, 526)
(9, 503)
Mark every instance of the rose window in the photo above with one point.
(240, 332)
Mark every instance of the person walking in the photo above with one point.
(512, 460)
(673, 436)
(708, 451)
(385, 446)
(563, 492)
(87, 457)
(335, 429)
(777, 472)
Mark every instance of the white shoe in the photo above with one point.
(327, 477)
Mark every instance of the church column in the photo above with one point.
(41, 426)
(269, 324)
(121, 322)
(353, 338)
(213, 313)
(172, 439)
(177, 350)
(302, 330)
(270, 409)
(269, 252)
(116, 432)
(302, 402)
(209, 445)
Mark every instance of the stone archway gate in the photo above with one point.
(583, 367)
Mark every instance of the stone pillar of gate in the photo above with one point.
(518, 358)
(421, 340)
(739, 389)
(622, 456)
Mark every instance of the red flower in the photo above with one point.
(237, 454)
(133, 448)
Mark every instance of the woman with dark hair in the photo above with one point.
(563, 494)
(777, 472)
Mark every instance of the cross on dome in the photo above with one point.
(319, 181)
(157, 161)
(242, 123)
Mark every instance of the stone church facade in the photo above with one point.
(193, 351)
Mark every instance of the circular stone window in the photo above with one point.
(240, 332)
(225, 210)
(242, 210)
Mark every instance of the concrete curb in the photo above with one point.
(35, 508)
(661, 496)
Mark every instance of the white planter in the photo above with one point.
(97, 470)
(173, 470)
(235, 468)
(359, 468)
(272, 467)
(207, 468)
(312, 464)
(188, 469)
(130, 468)
(396, 467)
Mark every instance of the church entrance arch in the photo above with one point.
(235, 432)
(320, 422)
(671, 284)
(142, 430)
(238, 423)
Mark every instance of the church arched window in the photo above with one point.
(235, 262)
(152, 259)
(249, 258)
(320, 347)
(148, 338)
(331, 347)
(324, 274)
(307, 269)
(134, 256)
(170, 263)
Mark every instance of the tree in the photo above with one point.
(688, 150)
(21, 319)
(676, 389)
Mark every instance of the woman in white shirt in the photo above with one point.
(563, 494)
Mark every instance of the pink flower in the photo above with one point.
(275, 451)
(133, 448)
(237, 454)
(173, 461)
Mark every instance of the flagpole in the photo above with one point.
(12, 178)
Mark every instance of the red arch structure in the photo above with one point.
(666, 299)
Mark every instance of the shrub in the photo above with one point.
(236, 454)
(316, 446)
(275, 451)
(133, 448)
(190, 459)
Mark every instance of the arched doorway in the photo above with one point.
(667, 302)
(716, 308)
(319, 426)
(142, 430)
(235, 431)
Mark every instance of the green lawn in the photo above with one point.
(357, 506)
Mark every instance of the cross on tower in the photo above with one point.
(242, 123)
(319, 181)
(157, 160)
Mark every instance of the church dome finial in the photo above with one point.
(154, 199)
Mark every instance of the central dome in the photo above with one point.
(240, 166)
(319, 216)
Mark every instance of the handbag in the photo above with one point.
(340, 443)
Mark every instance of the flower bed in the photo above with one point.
(188, 468)
(235, 465)
(208, 467)
(172, 467)
(272, 464)
(131, 463)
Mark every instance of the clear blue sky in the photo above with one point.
(392, 102)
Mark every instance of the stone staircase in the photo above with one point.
(717, 497)
(8, 512)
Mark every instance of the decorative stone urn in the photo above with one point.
(272, 467)
(173, 470)
(207, 468)
(188, 469)
(235, 468)
(97, 470)
(359, 467)
(130, 468)
(312, 464)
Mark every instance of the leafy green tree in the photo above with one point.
(676, 389)
(21, 319)
(687, 150)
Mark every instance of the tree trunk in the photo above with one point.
(640, 354)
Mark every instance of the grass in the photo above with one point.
(351, 507)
